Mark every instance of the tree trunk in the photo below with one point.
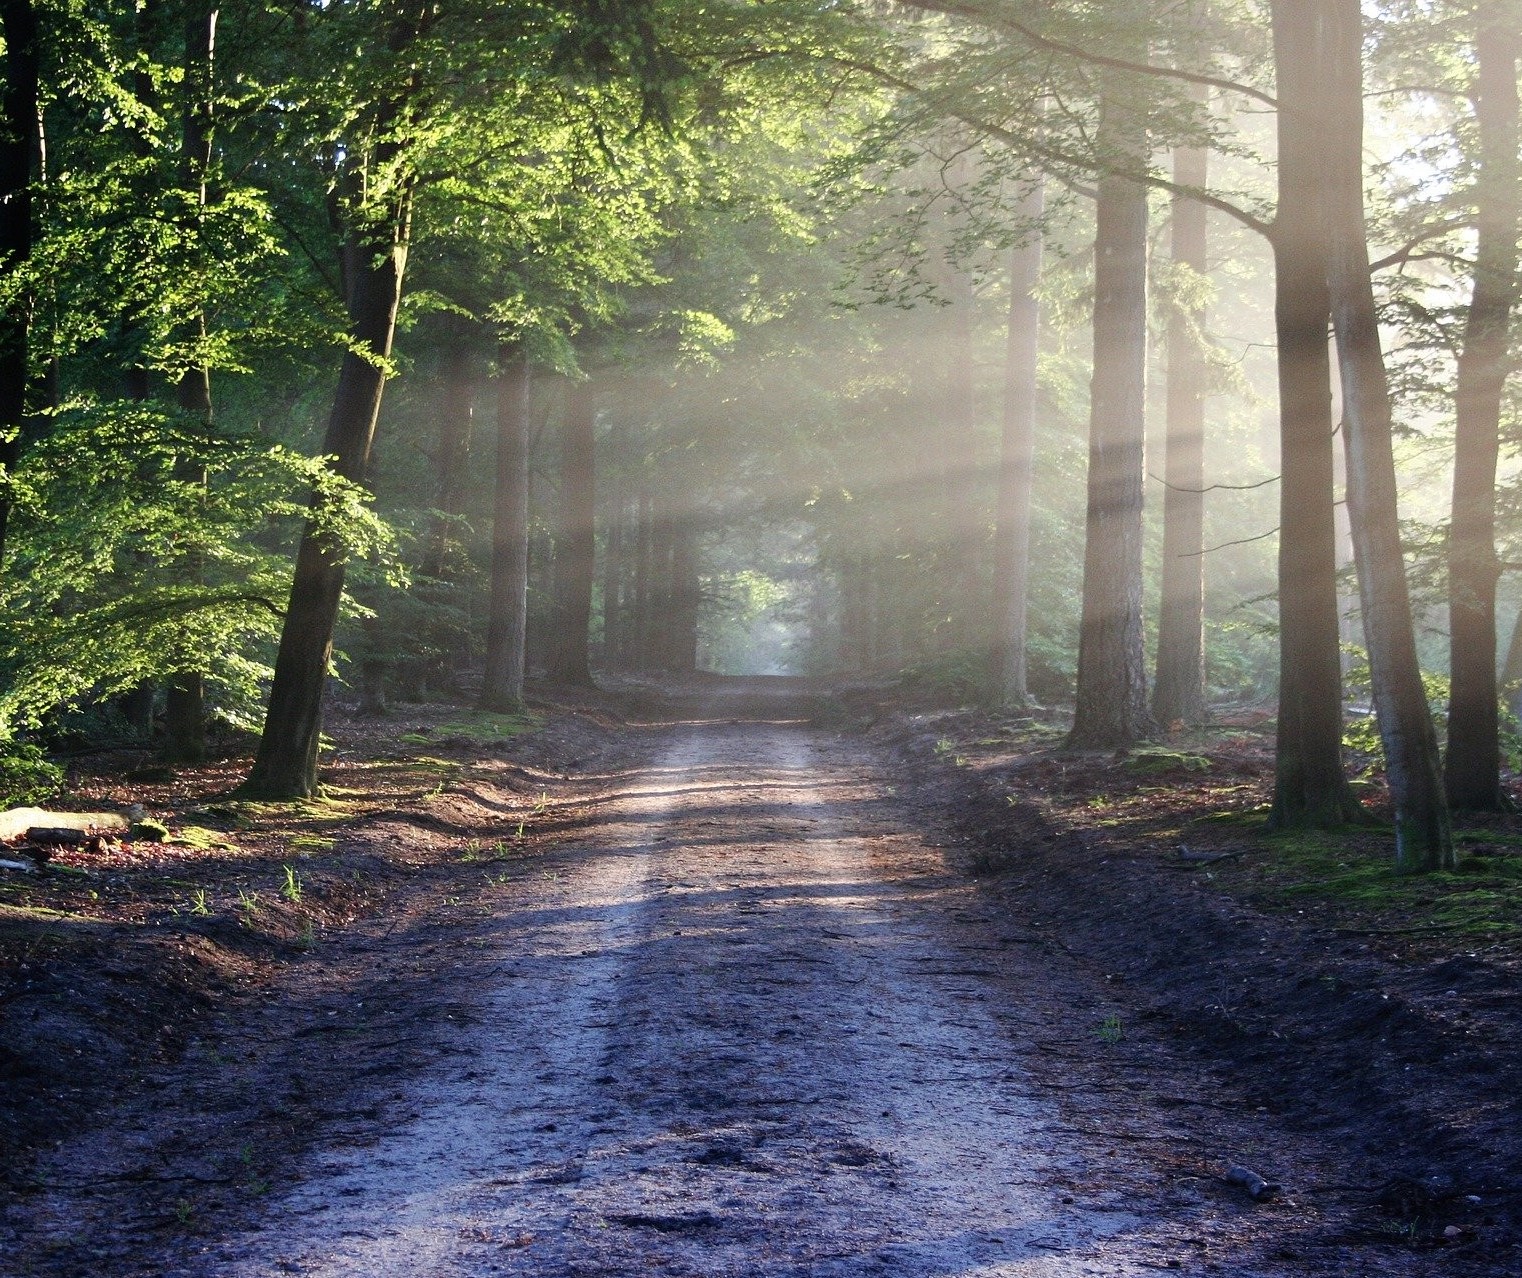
(613, 655)
(1310, 786)
(662, 581)
(1112, 679)
(682, 639)
(18, 150)
(644, 551)
(185, 701)
(1178, 696)
(1423, 838)
(1017, 450)
(1472, 769)
(457, 408)
(286, 764)
(507, 620)
(575, 540)
(957, 449)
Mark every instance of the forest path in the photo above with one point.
(744, 1021)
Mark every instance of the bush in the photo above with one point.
(26, 775)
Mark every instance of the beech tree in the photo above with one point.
(1178, 695)
(1472, 767)
(1111, 707)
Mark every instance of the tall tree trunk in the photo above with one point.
(1017, 451)
(286, 764)
(644, 552)
(19, 140)
(1424, 840)
(613, 655)
(1472, 769)
(1112, 677)
(185, 697)
(682, 649)
(457, 409)
(507, 619)
(185, 701)
(957, 448)
(1178, 696)
(575, 539)
(662, 580)
(1310, 785)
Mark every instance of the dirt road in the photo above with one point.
(743, 1021)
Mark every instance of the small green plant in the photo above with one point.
(198, 903)
(1110, 1030)
(184, 1211)
(943, 745)
(472, 851)
(542, 802)
(248, 902)
(521, 823)
(307, 937)
(291, 889)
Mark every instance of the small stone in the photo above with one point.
(1452, 1232)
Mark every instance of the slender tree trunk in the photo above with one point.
(286, 764)
(457, 409)
(1112, 679)
(644, 556)
(682, 652)
(1310, 785)
(19, 141)
(1472, 770)
(957, 448)
(575, 540)
(662, 581)
(1017, 451)
(185, 700)
(1423, 838)
(1511, 671)
(613, 577)
(1178, 696)
(507, 619)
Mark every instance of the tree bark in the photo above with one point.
(682, 635)
(575, 540)
(1112, 680)
(457, 407)
(1424, 840)
(1472, 768)
(185, 699)
(286, 764)
(613, 616)
(644, 559)
(507, 620)
(1017, 450)
(1310, 785)
(19, 142)
(1178, 695)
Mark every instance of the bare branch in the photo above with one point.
(1037, 151)
(1229, 488)
(978, 13)
(1241, 541)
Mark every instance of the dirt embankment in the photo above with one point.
(1350, 1014)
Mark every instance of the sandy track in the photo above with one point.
(745, 1023)
(721, 1043)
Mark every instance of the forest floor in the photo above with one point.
(754, 977)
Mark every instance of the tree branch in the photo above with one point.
(1230, 488)
(1036, 151)
(975, 11)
